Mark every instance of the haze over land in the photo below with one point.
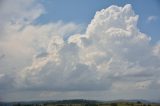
(110, 58)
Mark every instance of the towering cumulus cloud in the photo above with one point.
(112, 57)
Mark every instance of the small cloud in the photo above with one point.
(152, 18)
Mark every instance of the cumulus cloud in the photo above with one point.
(112, 54)
(156, 50)
(21, 40)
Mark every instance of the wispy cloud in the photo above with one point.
(152, 18)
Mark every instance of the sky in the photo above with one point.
(86, 49)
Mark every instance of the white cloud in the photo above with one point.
(156, 50)
(56, 57)
(152, 18)
(21, 41)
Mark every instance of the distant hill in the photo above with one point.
(134, 101)
(75, 101)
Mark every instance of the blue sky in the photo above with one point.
(82, 11)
